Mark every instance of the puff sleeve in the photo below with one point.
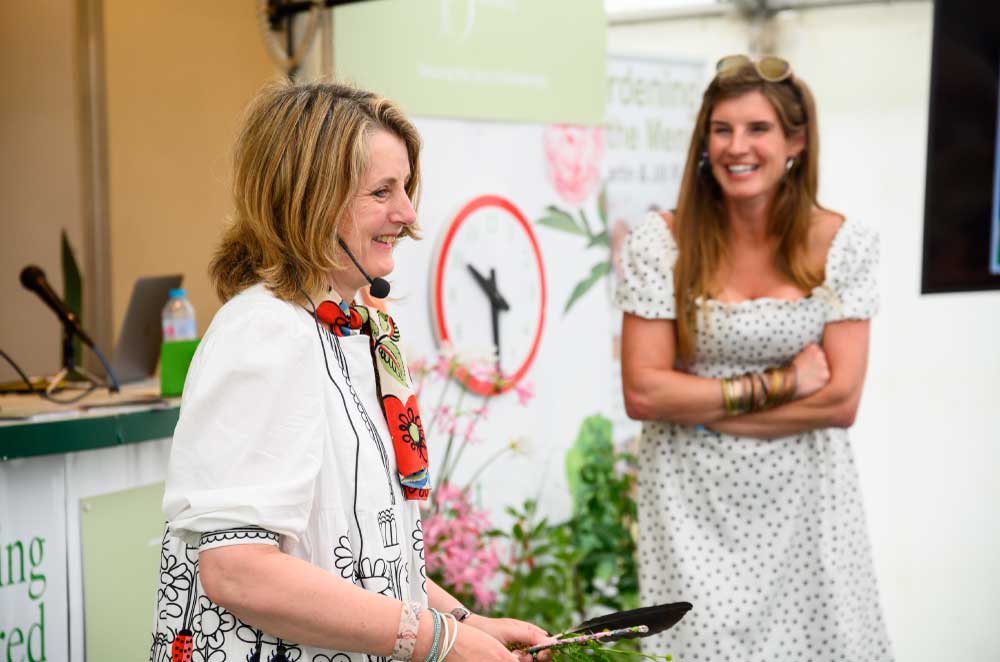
(249, 442)
(852, 273)
(646, 285)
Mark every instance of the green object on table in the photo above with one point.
(175, 357)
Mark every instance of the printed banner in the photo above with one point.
(33, 586)
(507, 60)
(651, 111)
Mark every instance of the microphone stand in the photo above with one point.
(71, 372)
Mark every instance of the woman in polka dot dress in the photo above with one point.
(744, 349)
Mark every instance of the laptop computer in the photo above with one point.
(138, 346)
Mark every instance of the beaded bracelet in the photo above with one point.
(406, 639)
(432, 654)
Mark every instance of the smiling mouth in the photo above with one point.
(741, 169)
(387, 239)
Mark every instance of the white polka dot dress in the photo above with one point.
(768, 539)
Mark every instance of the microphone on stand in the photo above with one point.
(33, 278)
(379, 286)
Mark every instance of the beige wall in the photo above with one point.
(40, 172)
(178, 76)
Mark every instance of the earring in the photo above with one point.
(790, 163)
(703, 163)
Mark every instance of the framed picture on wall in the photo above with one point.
(962, 195)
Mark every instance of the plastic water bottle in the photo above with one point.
(178, 317)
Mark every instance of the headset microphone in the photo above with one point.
(379, 286)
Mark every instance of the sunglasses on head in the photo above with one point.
(771, 68)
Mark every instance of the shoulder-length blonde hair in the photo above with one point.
(700, 220)
(297, 165)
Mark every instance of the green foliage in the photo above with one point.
(595, 652)
(557, 219)
(563, 221)
(604, 517)
(539, 572)
(597, 272)
(559, 573)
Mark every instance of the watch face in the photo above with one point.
(489, 289)
(460, 613)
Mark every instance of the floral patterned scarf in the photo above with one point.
(395, 391)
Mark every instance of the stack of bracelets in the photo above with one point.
(445, 634)
(757, 391)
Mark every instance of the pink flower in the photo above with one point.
(525, 392)
(574, 154)
(418, 367)
(484, 371)
(445, 420)
(442, 366)
(454, 543)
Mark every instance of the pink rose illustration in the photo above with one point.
(574, 154)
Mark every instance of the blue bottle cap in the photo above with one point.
(177, 292)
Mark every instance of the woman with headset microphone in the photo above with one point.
(299, 459)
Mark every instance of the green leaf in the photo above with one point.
(600, 239)
(602, 205)
(557, 219)
(598, 271)
(574, 464)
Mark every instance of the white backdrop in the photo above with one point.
(462, 160)
(575, 373)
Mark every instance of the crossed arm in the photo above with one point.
(655, 390)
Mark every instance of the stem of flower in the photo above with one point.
(586, 225)
(445, 469)
(468, 435)
(433, 420)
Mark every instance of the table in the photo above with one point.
(80, 524)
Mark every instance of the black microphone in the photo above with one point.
(33, 278)
(379, 286)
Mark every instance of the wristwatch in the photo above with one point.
(460, 613)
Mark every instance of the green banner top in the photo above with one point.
(508, 60)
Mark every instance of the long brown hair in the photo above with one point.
(297, 165)
(700, 223)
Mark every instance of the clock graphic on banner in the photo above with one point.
(488, 289)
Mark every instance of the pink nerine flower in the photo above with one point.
(453, 538)
(525, 391)
(574, 154)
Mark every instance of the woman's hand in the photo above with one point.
(510, 631)
(811, 371)
(475, 645)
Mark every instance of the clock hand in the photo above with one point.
(497, 298)
(495, 301)
(489, 286)
(497, 305)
